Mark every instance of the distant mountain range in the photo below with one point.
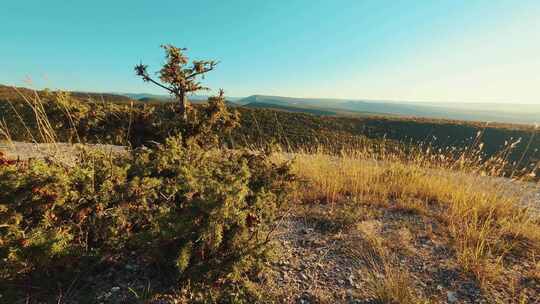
(482, 112)
(492, 112)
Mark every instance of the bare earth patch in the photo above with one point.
(64, 152)
(322, 264)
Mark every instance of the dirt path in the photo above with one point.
(64, 152)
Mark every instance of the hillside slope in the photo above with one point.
(510, 113)
(291, 127)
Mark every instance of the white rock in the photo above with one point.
(452, 298)
(351, 280)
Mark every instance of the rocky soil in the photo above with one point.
(324, 263)
(64, 152)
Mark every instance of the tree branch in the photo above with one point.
(160, 85)
(212, 66)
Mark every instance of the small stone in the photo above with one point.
(351, 280)
(439, 287)
(303, 276)
(115, 289)
(307, 230)
(452, 298)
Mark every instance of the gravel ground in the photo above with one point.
(63, 152)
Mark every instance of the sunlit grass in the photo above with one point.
(486, 223)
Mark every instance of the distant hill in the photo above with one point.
(302, 123)
(16, 93)
(167, 98)
(287, 108)
(146, 96)
(480, 112)
(493, 112)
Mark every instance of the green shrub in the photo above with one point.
(184, 203)
(58, 116)
(214, 207)
(51, 214)
(208, 212)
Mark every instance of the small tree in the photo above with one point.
(178, 76)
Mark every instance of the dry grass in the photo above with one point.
(45, 131)
(386, 282)
(487, 225)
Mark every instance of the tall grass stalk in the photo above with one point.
(486, 223)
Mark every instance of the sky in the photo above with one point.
(438, 51)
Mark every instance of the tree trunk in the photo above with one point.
(183, 106)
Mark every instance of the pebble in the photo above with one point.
(307, 230)
(451, 296)
(351, 280)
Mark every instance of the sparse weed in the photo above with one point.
(486, 223)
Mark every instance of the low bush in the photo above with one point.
(60, 117)
(209, 212)
(184, 202)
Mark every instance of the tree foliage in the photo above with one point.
(178, 77)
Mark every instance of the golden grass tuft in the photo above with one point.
(486, 223)
(387, 282)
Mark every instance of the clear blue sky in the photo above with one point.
(402, 50)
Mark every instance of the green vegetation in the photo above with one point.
(186, 207)
(208, 213)
(137, 123)
(178, 77)
(515, 149)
